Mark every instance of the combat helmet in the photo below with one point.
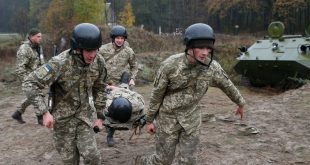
(199, 35)
(118, 30)
(86, 36)
(120, 109)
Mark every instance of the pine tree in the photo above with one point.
(127, 17)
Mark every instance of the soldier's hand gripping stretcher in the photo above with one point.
(48, 120)
(151, 128)
(98, 125)
(138, 125)
(108, 88)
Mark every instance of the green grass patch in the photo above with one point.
(9, 40)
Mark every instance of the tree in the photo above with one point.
(37, 10)
(91, 11)
(126, 17)
(63, 15)
(11, 14)
(21, 22)
(147, 13)
(56, 17)
(248, 15)
(292, 13)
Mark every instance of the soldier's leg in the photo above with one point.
(165, 145)
(86, 143)
(125, 78)
(39, 117)
(110, 133)
(65, 141)
(24, 104)
(17, 115)
(36, 108)
(188, 147)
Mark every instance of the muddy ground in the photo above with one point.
(282, 119)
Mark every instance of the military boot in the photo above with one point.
(110, 140)
(40, 119)
(18, 116)
(125, 78)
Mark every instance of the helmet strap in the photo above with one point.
(80, 55)
(199, 62)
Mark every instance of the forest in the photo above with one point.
(225, 16)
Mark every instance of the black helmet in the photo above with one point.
(86, 36)
(120, 109)
(198, 35)
(118, 31)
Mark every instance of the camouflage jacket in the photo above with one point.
(28, 59)
(178, 88)
(136, 101)
(85, 97)
(118, 61)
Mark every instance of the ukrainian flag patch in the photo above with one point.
(44, 71)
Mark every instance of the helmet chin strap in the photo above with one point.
(80, 55)
(199, 62)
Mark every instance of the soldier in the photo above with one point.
(29, 57)
(118, 56)
(78, 75)
(181, 82)
(124, 110)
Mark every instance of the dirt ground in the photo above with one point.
(282, 119)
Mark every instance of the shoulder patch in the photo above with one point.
(43, 71)
(48, 68)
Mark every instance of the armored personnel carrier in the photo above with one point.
(281, 61)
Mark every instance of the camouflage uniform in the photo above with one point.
(117, 61)
(178, 88)
(29, 58)
(136, 101)
(74, 115)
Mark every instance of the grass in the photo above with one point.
(9, 39)
(226, 52)
(8, 46)
(7, 70)
(9, 85)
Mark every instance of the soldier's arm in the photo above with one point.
(221, 80)
(104, 51)
(133, 64)
(22, 62)
(99, 93)
(35, 82)
(157, 96)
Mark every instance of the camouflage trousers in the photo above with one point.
(165, 147)
(24, 104)
(73, 138)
